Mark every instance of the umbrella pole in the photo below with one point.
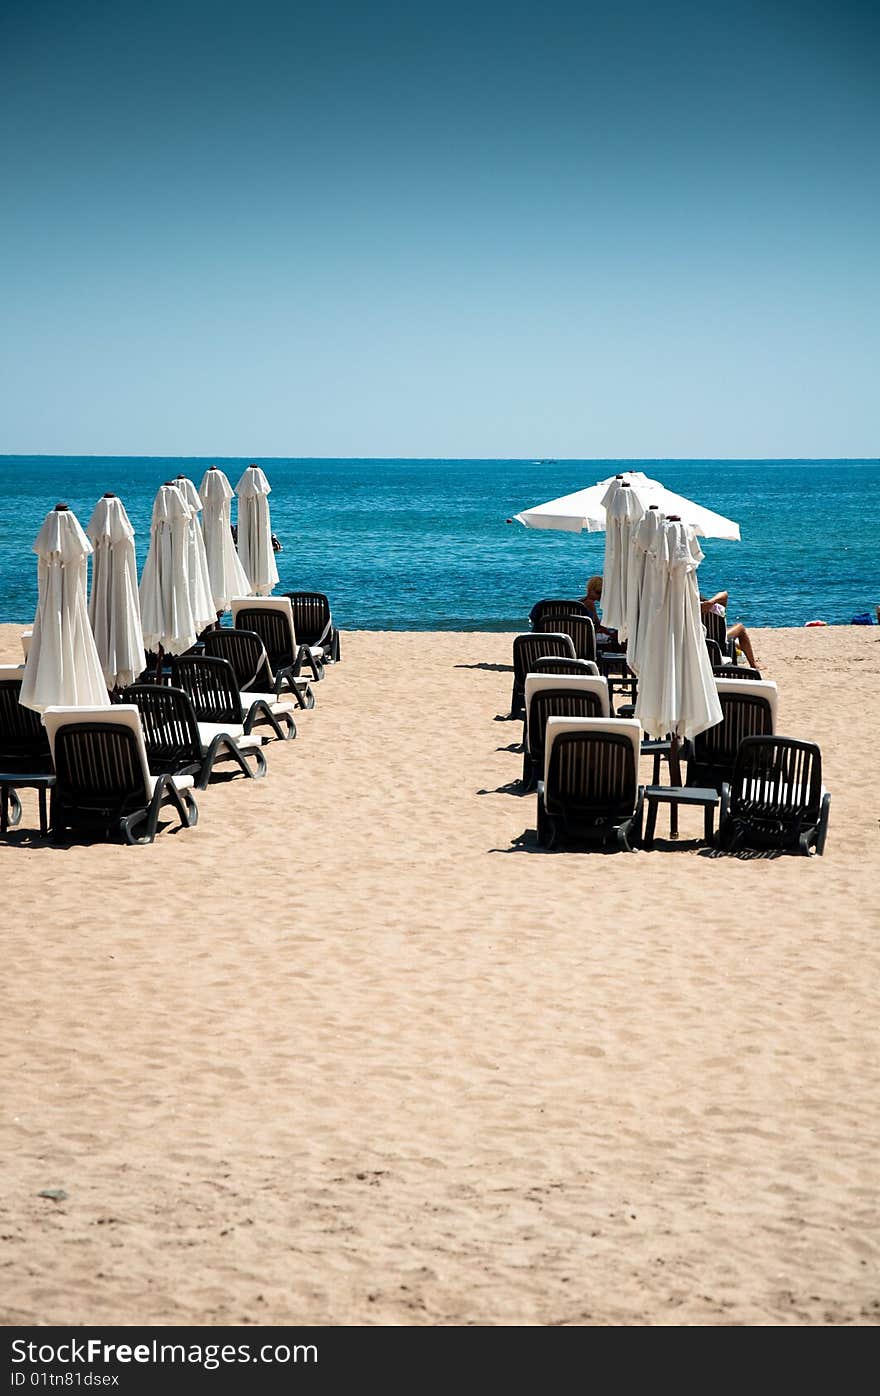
(159, 657)
(674, 779)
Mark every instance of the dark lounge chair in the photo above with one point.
(547, 610)
(25, 757)
(748, 709)
(271, 617)
(217, 698)
(178, 744)
(582, 632)
(527, 650)
(776, 799)
(246, 653)
(738, 671)
(313, 623)
(590, 791)
(102, 778)
(556, 695)
(716, 629)
(561, 664)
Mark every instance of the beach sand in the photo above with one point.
(350, 1052)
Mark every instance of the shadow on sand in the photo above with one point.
(492, 668)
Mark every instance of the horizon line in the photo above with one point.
(528, 459)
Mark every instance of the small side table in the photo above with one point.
(24, 780)
(676, 795)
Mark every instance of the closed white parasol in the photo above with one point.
(677, 693)
(204, 611)
(114, 610)
(623, 510)
(640, 601)
(62, 665)
(255, 531)
(167, 616)
(228, 578)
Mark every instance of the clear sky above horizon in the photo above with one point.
(402, 229)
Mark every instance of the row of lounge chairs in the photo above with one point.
(582, 753)
(115, 769)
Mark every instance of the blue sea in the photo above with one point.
(423, 544)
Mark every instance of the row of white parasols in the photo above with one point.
(82, 648)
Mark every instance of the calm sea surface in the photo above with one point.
(423, 545)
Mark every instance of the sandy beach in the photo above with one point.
(354, 1050)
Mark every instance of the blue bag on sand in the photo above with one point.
(864, 619)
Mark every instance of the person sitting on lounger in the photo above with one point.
(738, 632)
(604, 637)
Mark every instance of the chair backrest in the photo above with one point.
(582, 632)
(270, 617)
(547, 610)
(591, 765)
(529, 648)
(26, 637)
(596, 687)
(211, 686)
(170, 727)
(748, 709)
(736, 671)
(312, 620)
(246, 653)
(560, 695)
(100, 757)
(561, 664)
(23, 740)
(716, 628)
(777, 778)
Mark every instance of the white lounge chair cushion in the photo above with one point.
(758, 688)
(276, 705)
(586, 683)
(179, 782)
(117, 715)
(626, 726)
(209, 730)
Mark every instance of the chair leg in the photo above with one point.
(224, 748)
(651, 823)
(261, 712)
(822, 833)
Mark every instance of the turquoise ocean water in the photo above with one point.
(423, 545)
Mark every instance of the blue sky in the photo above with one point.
(405, 229)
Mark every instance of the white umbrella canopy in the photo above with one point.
(677, 693)
(581, 512)
(255, 531)
(114, 611)
(204, 611)
(584, 511)
(227, 576)
(167, 614)
(62, 666)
